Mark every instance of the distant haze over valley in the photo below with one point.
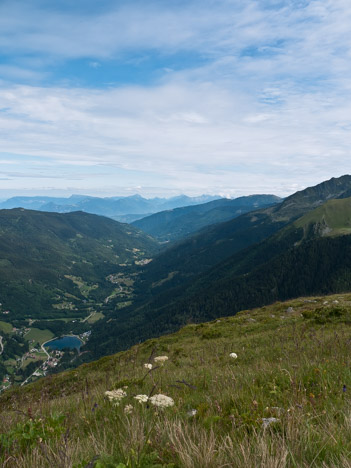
(124, 209)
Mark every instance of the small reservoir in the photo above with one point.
(71, 342)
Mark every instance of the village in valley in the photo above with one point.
(30, 358)
(24, 354)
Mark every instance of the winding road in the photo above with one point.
(48, 357)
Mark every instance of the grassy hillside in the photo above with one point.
(331, 219)
(284, 401)
(172, 225)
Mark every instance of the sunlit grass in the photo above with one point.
(5, 327)
(39, 336)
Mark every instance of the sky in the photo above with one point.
(162, 97)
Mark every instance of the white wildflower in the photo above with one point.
(128, 409)
(142, 398)
(148, 366)
(116, 395)
(192, 413)
(162, 401)
(233, 355)
(266, 422)
(161, 359)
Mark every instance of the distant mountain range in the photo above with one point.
(178, 223)
(117, 208)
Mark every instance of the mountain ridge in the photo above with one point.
(215, 243)
(173, 225)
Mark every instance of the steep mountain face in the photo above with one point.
(308, 199)
(111, 207)
(176, 224)
(45, 256)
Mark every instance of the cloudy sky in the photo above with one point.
(161, 97)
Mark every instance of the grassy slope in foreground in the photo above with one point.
(284, 402)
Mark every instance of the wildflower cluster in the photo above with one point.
(128, 409)
(116, 395)
(162, 401)
(142, 398)
(161, 359)
(266, 422)
(148, 366)
(233, 355)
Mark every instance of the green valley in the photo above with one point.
(55, 279)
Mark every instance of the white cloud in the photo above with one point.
(189, 136)
(268, 108)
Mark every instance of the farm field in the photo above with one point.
(5, 327)
(39, 336)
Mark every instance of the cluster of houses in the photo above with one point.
(50, 363)
(5, 383)
(20, 331)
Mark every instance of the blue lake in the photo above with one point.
(65, 342)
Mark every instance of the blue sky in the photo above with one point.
(165, 97)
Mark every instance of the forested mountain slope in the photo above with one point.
(43, 254)
(198, 253)
(297, 260)
(320, 266)
(172, 225)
